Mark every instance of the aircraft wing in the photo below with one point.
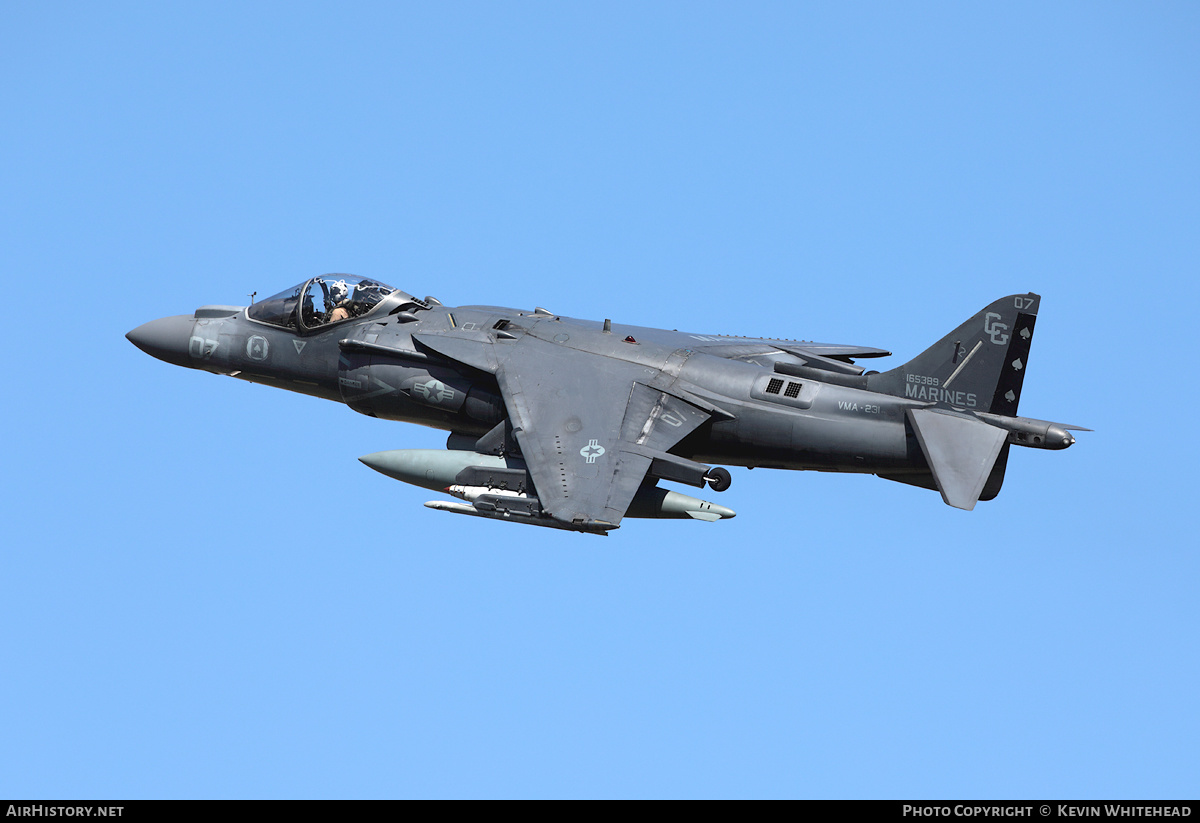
(832, 350)
(590, 427)
(742, 347)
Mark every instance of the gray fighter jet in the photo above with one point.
(571, 423)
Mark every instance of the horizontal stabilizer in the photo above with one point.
(1038, 434)
(960, 450)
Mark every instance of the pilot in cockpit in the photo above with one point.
(320, 301)
(338, 292)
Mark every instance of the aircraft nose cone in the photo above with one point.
(166, 338)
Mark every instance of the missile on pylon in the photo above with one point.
(500, 487)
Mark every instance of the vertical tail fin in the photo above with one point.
(979, 366)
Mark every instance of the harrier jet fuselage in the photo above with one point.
(571, 423)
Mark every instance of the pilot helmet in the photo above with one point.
(338, 291)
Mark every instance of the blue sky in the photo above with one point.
(189, 610)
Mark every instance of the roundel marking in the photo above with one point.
(434, 391)
(592, 450)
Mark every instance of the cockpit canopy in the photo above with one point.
(321, 301)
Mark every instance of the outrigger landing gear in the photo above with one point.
(719, 479)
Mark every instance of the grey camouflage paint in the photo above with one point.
(590, 415)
